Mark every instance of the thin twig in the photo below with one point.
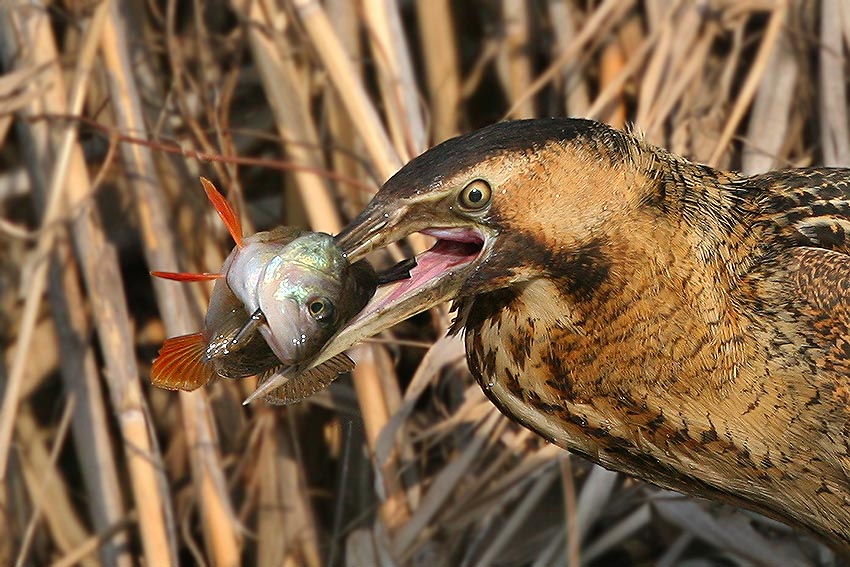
(352, 92)
(748, 91)
(58, 442)
(602, 18)
(573, 537)
(55, 197)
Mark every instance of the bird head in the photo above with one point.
(507, 204)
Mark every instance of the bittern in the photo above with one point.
(680, 324)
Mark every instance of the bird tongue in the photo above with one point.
(439, 259)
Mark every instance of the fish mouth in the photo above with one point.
(437, 277)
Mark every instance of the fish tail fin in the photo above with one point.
(225, 211)
(180, 364)
(308, 382)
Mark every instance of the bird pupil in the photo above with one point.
(475, 195)
(316, 306)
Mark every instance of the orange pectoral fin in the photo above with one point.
(224, 210)
(180, 364)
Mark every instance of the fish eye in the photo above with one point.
(475, 195)
(321, 309)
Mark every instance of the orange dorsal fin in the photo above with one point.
(225, 211)
(186, 276)
(180, 364)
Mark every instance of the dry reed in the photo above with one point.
(300, 109)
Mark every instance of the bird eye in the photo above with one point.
(475, 195)
(321, 309)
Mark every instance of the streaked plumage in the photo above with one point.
(683, 325)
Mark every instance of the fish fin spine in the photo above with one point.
(308, 382)
(225, 211)
(180, 364)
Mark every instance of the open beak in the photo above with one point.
(438, 276)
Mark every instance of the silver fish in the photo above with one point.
(280, 296)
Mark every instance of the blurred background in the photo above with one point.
(298, 110)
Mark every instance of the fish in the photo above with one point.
(279, 297)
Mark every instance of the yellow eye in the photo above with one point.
(321, 309)
(476, 195)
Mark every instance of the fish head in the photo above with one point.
(245, 266)
(301, 293)
(234, 299)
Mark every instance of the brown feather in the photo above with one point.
(683, 325)
(680, 324)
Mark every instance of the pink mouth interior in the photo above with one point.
(454, 247)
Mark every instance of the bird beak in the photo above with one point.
(438, 276)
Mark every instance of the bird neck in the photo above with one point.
(656, 370)
(654, 279)
(658, 328)
(636, 389)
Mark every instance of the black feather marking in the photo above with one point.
(462, 152)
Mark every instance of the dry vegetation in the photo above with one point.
(299, 109)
